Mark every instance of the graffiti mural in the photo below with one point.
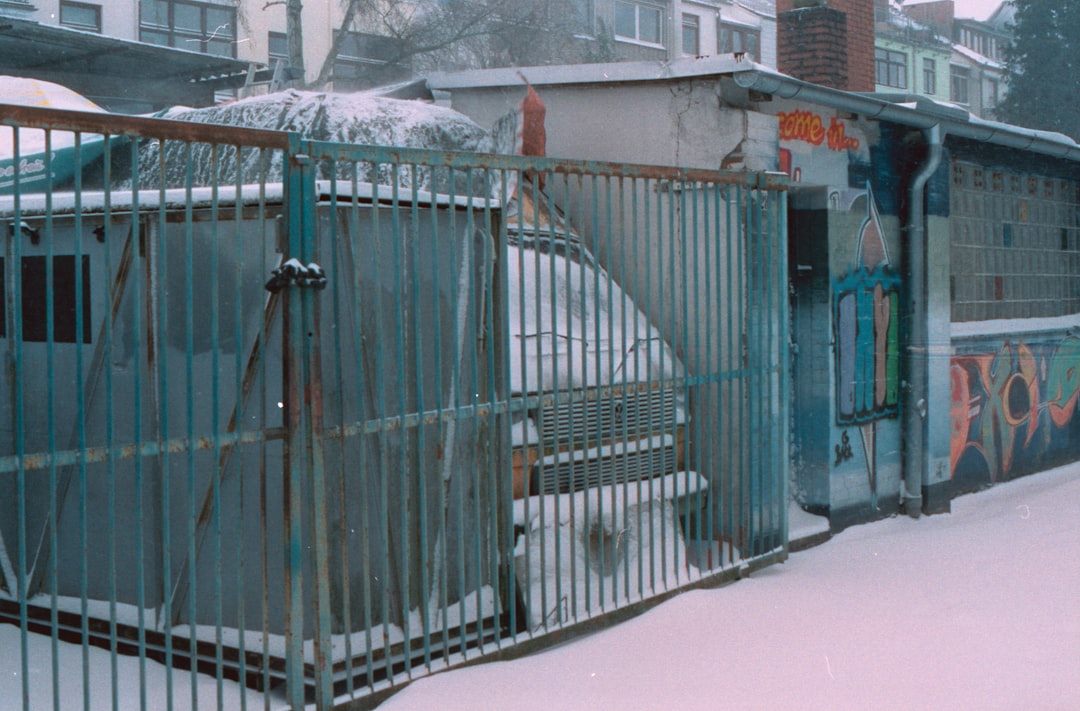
(867, 312)
(818, 148)
(808, 127)
(1013, 409)
(866, 305)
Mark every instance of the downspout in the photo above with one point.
(918, 349)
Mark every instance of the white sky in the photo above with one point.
(975, 9)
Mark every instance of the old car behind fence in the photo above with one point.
(314, 419)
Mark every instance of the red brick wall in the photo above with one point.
(812, 45)
(831, 44)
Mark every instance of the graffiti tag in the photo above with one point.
(837, 138)
(843, 450)
(808, 127)
(867, 312)
(803, 126)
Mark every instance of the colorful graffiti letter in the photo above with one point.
(802, 126)
(1014, 409)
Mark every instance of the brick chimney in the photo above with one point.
(827, 42)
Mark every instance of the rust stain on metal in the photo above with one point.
(140, 127)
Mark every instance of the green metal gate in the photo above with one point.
(316, 419)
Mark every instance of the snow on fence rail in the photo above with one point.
(474, 412)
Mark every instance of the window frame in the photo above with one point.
(929, 76)
(887, 66)
(749, 38)
(993, 93)
(960, 77)
(185, 38)
(271, 55)
(691, 22)
(636, 38)
(71, 5)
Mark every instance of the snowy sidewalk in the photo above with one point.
(977, 609)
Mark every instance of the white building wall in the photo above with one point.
(256, 19)
(711, 13)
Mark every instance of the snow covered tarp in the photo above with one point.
(362, 118)
(35, 158)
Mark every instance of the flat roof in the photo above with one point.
(85, 61)
(610, 72)
(916, 111)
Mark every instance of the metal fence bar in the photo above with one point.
(542, 391)
(293, 372)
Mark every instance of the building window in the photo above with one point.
(81, 16)
(960, 77)
(277, 47)
(194, 26)
(890, 68)
(993, 92)
(736, 39)
(639, 22)
(691, 35)
(929, 76)
(359, 52)
(67, 302)
(585, 14)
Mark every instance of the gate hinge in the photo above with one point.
(294, 273)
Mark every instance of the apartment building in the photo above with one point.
(976, 67)
(887, 47)
(245, 34)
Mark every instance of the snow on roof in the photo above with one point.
(974, 56)
(22, 91)
(606, 73)
(341, 118)
(223, 198)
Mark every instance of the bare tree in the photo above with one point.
(453, 34)
(295, 35)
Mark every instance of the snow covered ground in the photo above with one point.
(977, 609)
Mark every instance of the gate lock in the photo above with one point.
(294, 273)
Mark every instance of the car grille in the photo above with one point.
(618, 417)
(569, 471)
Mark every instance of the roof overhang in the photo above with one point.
(101, 67)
